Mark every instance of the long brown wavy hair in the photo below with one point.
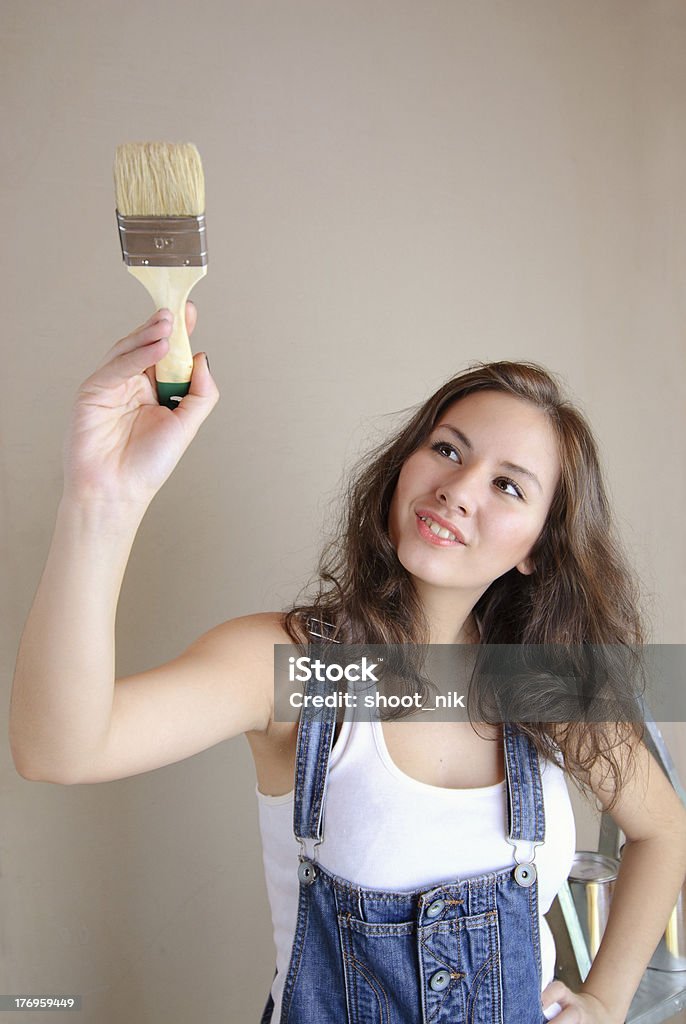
(582, 591)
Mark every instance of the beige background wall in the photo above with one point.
(394, 189)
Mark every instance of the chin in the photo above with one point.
(423, 573)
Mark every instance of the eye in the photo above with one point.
(511, 483)
(438, 445)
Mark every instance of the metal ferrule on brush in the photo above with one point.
(163, 241)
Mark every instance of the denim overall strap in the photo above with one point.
(525, 814)
(315, 740)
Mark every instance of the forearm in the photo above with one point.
(647, 887)
(64, 677)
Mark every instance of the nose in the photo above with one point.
(457, 492)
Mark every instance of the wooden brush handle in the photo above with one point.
(169, 288)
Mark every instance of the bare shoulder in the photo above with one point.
(260, 630)
(248, 642)
(250, 636)
(257, 635)
(220, 686)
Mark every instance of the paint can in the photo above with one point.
(591, 882)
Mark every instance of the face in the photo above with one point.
(463, 477)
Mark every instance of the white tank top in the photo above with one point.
(385, 830)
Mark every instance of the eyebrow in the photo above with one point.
(507, 465)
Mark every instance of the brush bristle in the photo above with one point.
(158, 179)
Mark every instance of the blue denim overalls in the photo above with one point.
(467, 950)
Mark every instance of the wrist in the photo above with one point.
(101, 515)
(608, 1013)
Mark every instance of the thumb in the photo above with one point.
(554, 997)
(202, 396)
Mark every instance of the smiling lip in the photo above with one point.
(426, 532)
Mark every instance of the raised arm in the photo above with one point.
(120, 448)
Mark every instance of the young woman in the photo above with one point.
(408, 864)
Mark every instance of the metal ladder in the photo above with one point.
(661, 994)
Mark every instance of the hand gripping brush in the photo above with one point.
(160, 196)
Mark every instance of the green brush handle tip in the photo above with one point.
(166, 393)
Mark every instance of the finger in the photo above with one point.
(202, 396)
(159, 325)
(130, 364)
(156, 327)
(554, 998)
(555, 992)
(191, 316)
(191, 320)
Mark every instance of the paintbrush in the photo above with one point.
(160, 196)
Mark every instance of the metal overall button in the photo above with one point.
(439, 980)
(525, 874)
(306, 872)
(435, 908)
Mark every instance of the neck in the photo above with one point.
(450, 616)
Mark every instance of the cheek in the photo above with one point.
(503, 535)
(520, 539)
(411, 484)
(392, 524)
(397, 507)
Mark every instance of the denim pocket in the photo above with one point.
(377, 964)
